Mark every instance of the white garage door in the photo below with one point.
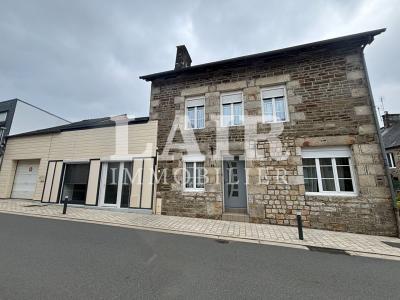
(25, 179)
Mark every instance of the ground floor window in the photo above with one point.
(194, 175)
(328, 171)
(75, 182)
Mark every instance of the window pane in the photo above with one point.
(268, 111)
(327, 172)
(344, 171)
(308, 161)
(189, 175)
(342, 161)
(199, 175)
(126, 184)
(310, 172)
(226, 114)
(200, 117)
(346, 185)
(237, 111)
(328, 185)
(325, 162)
(3, 116)
(110, 196)
(280, 109)
(311, 185)
(190, 117)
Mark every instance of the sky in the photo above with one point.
(83, 59)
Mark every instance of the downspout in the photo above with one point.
(383, 151)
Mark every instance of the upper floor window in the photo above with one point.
(328, 171)
(3, 116)
(195, 113)
(232, 109)
(274, 105)
(390, 159)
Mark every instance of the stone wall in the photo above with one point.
(328, 104)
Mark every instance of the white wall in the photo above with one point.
(28, 118)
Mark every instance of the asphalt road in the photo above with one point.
(52, 259)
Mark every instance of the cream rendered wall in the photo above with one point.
(72, 145)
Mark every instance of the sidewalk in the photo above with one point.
(354, 244)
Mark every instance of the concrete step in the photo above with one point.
(237, 217)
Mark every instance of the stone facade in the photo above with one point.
(328, 104)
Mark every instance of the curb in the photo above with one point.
(303, 246)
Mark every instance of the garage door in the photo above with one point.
(25, 179)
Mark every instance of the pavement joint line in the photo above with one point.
(205, 235)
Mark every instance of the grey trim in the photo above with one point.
(372, 103)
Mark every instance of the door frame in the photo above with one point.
(231, 157)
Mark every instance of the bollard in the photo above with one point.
(300, 226)
(65, 205)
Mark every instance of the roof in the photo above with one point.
(15, 100)
(81, 125)
(391, 136)
(363, 38)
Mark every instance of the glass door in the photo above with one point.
(115, 184)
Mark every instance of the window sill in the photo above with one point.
(335, 194)
(195, 128)
(223, 126)
(193, 190)
(275, 122)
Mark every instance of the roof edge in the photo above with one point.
(67, 127)
(369, 35)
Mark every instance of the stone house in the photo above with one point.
(263, 137)
(391, 140)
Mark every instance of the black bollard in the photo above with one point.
(65, 205)
(300, 226)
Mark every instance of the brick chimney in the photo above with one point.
(390, 119)
(183, 59)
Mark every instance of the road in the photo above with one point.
(55, 259)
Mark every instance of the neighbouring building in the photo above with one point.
(265, 136)
(17, 116)
(391, 141)
(105, 162)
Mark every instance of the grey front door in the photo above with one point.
(234, 184)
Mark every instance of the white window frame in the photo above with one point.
(192, 159)
(273, 104)
(231, 103)
(390, 160)
(331, 152)
(201, 100)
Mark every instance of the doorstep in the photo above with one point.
(237, 217)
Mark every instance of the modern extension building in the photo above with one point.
(263, 137)
(17, 116)
(106, 162)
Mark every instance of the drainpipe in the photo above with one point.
(383, 151)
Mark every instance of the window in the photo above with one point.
(194, 174)
(195, 113)
(328, 171)
(75, 182)
(1, 134)
(3, 116)
(390, 159)
(274, 105)
(232, 109)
